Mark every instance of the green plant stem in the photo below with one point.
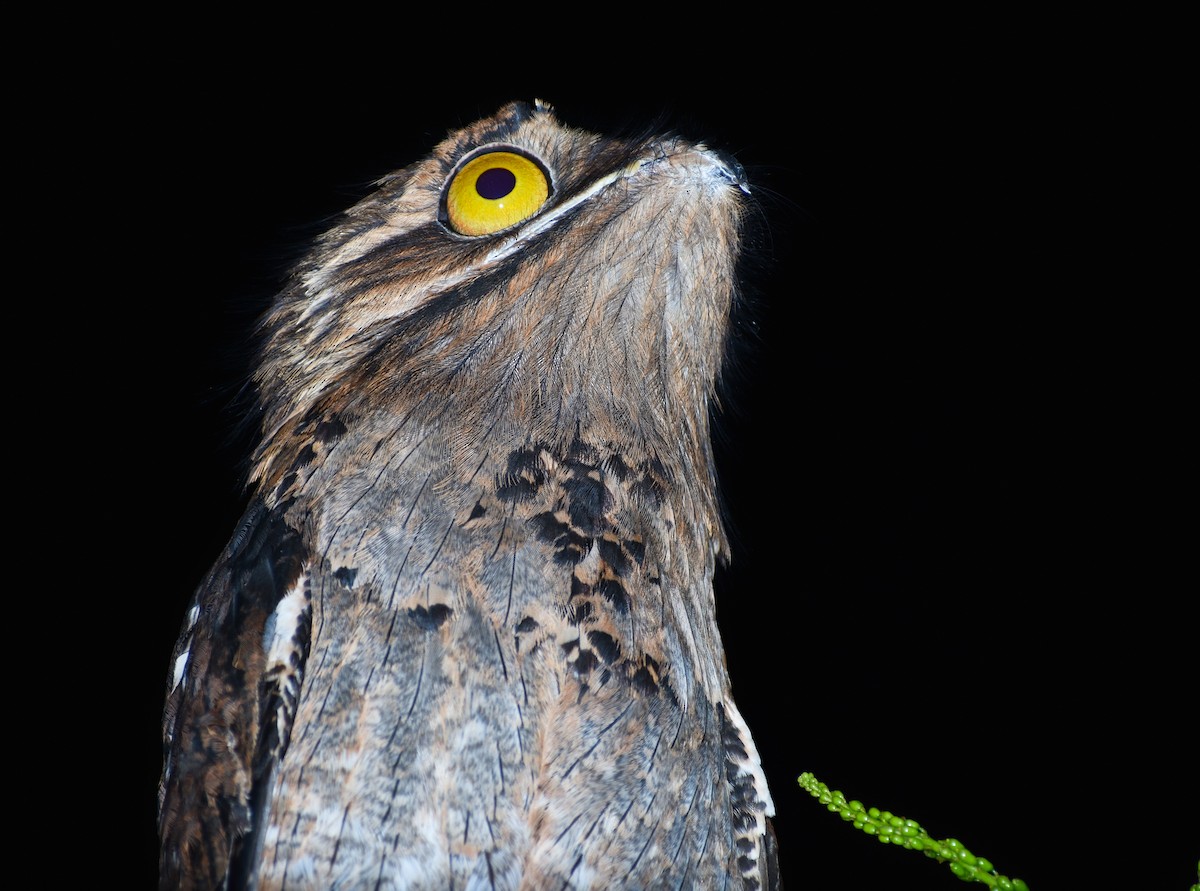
(890, 829)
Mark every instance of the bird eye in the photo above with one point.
(493, 191)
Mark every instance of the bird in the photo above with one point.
(465, 635)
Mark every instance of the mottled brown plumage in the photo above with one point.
(465, 635)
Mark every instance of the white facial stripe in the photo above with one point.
(545, 221)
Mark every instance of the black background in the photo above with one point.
(941, 600)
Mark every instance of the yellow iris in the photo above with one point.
(494, 191)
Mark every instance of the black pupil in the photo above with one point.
(495, 182)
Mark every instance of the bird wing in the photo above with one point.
(237, 667)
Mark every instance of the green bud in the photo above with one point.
(889, 828)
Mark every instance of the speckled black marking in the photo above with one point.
(577, 548)
(285, 484)
(643, 674)
(589, 503)
(549, 528)
(649, 486)
(304, 458)
(614, 592)
(605, 645)
(582, 455)
(430, 619)
(527, 624)
(643, 681)
(733, 742)
(581, 612)
(477, 511)
(329, 430)
(612, 554)
(523, 476)
(346, 576)
(569, 546)
(615, 466)
(636, 550)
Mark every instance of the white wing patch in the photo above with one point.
(285, 641)
(181, 660)
(752, 763)
(280, 631)
(180, 666)
(752, 802)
